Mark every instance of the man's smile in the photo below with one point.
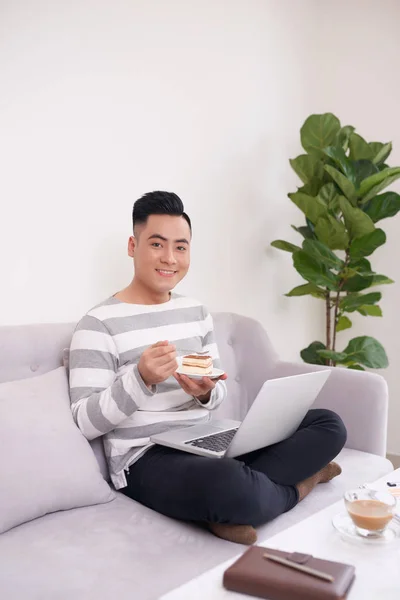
(165, 272)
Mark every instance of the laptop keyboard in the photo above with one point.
(217, 442)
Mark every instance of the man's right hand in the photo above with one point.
(157, 363)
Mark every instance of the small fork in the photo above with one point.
(200, 352)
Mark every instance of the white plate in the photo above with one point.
(345, 526)
(213, 375)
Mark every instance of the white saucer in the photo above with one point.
(213, 375)
(345, 526)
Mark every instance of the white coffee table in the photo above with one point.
(377, 567)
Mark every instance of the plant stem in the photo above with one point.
(328, 323)
(335, 318)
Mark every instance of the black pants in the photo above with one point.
(248, 490)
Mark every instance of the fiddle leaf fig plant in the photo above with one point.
(342, 199)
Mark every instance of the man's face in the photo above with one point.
(161, 252)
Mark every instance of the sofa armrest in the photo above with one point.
(358, 397)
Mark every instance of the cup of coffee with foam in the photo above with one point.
(370, 510)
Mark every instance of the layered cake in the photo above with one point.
(197, 364)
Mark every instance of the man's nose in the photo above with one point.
(169, 257)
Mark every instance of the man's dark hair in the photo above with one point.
(158, 203)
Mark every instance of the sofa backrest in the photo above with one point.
(246, 355)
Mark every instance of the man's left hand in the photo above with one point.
(199, 388)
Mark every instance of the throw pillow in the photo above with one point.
(46, 464)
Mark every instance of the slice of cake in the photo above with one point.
(197, 364)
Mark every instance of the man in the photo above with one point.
(124, 387)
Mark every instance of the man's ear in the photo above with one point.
(132, 243)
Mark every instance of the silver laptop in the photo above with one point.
(275, 415)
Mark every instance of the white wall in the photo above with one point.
(101, 102)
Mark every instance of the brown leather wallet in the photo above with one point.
(255, 575)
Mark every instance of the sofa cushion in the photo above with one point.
(46, 464)
(126, 551)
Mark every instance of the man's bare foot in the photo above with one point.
(323, 476)
(240, 534)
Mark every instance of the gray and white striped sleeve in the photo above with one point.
(220, 391)
(100, 400)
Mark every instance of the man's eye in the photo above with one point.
(182, 248)
(156, 244)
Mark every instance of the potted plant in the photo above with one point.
(341, 198)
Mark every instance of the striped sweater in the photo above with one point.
(108, 395)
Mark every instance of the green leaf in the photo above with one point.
(367, 244)
(367, 351)
(358, 283)
(353, 302)
(304, 231)
(359, 148)
(363, 169)
(307, 167)
(357, 222)
(381, 280)
(348, 272)
(337, 154)
(382, 206)
(333, 355)
(376, 183)
(343, 323)
(310, 354)
(363, 278)
(344, 136)
(363, 266)
(312, 187)
(312, 207)
(375, 147)
(322, 254)
(345, 184)
(319, 131)
(313, 271)
(380, 154)
(307, 289)
(332, 233)
(327, 193)
(310, 225)
(356, 367)
(370, 310)
(286, 246)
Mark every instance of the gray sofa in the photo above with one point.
(125, 551)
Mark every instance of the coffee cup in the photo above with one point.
(370, 510)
